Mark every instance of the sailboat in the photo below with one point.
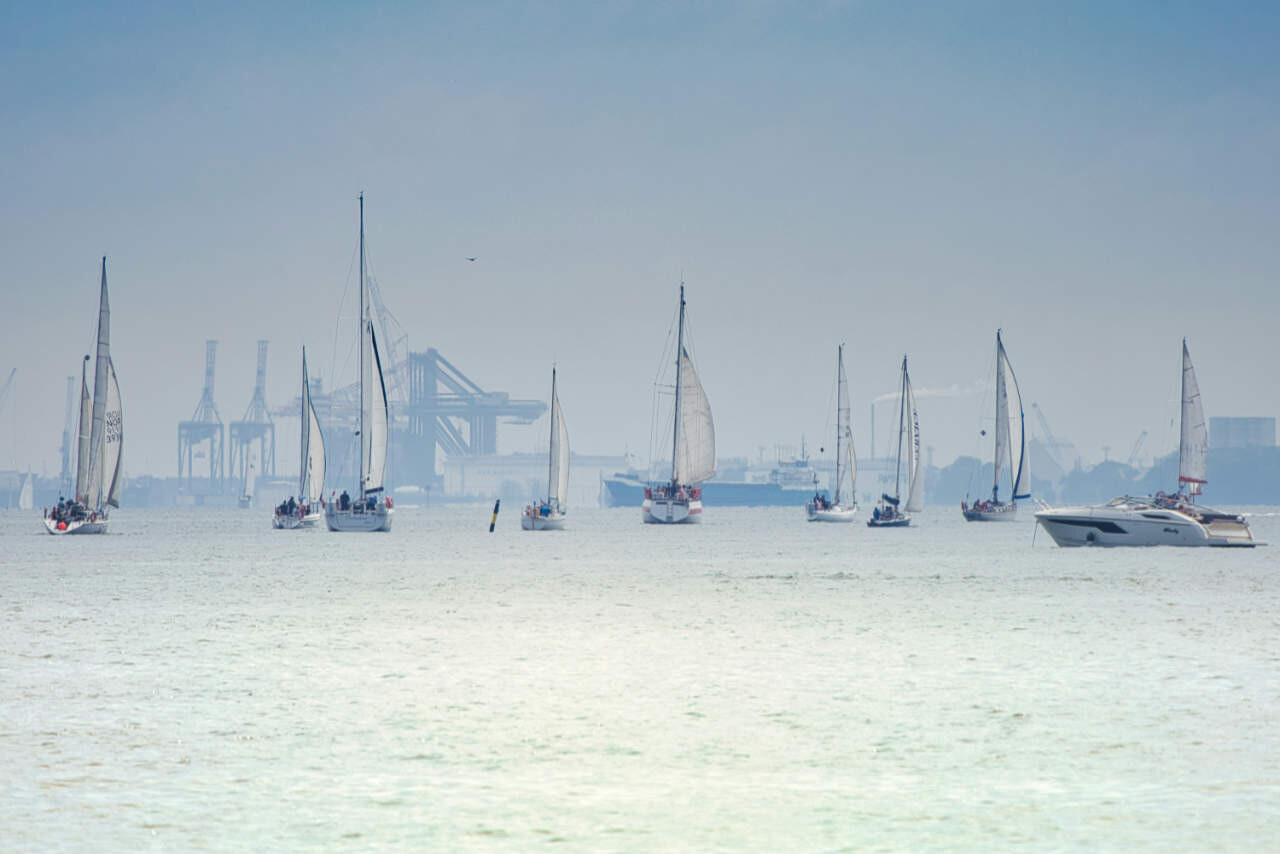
(693, 446)
(247, 487)
(304, 511)
(1161, 519)
(26, 495)
(549, 515)
(99, 475)
(368, 509)
(889, 513)
(1010, 448)
(821, 508)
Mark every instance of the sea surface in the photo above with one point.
(197, 681)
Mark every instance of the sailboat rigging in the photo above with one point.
(833, 509)
(305, 510)
(1010, 448)
(549, 515)
(889, 512)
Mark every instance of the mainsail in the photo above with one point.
(1011, 434)
(915, 492)
(374, 435)
(695, 453)
(558, 474)
(98, 423)
(82, 437)
(26, 495)
(311, 479)
(1193, 444)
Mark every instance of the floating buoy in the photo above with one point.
(62, 526)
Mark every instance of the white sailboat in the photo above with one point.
(305, 510)
(99, 475)
(889, 512)
(26, 495)
(248, 486)
(549, 515)
(693, 446)
(368, 509)
(822, 508)
(1010, 448)
(1161, 519)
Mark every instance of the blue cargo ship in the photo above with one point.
(790, 484)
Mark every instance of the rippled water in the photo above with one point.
(197, 680)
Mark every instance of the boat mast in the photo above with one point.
(902, 410)
(306, 433)
(995, 486)
(675, 435)
(839, 363)
(551, 458)
(360, 324)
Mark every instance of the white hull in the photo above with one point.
(79, 526)
(289, 523)
(554, 522)
(836, 513)
(672, 511)
(377, 519)
(1002, 512)
(1134, 522)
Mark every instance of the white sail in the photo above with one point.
(311, 478)
(97, 471)
(26, 495)
(373, 394)
(1002, 460)
(851, 463)
(113, 440)
(695, 452)
(82, 438)
(558, 475)
(843, 431)
(915, 491)
(1020, 460)
(1193, 444)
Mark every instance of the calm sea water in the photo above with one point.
(195, 680)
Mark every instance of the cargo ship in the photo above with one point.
(789, 484)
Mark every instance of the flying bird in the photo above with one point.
(471, 259)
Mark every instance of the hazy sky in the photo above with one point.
(1099, 179)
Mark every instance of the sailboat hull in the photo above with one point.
(672, 511)
(1002, 512)
(343, 521)
(282, 522)
(836, 513)
(79, 526)
(534, 522)
(901, 521)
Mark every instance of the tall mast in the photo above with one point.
(839, 362)
(675, 435)
(360, 324)
(996, 463)
(902, 414)
(103, 355)
(551, 458)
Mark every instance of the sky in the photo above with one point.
(1096, 179)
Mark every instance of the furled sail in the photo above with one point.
(113, 440)
(558, 478)
(915, 492)
(1193, 445)
(844, 434)
(696, 448)
(97, 471)
(311, 479)
(82, 438)
(374, 437)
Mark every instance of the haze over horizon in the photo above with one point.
(1096, 180)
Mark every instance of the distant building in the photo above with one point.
(1242, 432)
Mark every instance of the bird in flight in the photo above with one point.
(471, 259)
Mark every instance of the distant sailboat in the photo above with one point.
(549, 515)
(368, 509)
(99, 475)
(821, 508)
(26, 495)
(693, 446)
(888, 513)
(1010, 448)
(248, 486)
(305, 510)
(1158, 520)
